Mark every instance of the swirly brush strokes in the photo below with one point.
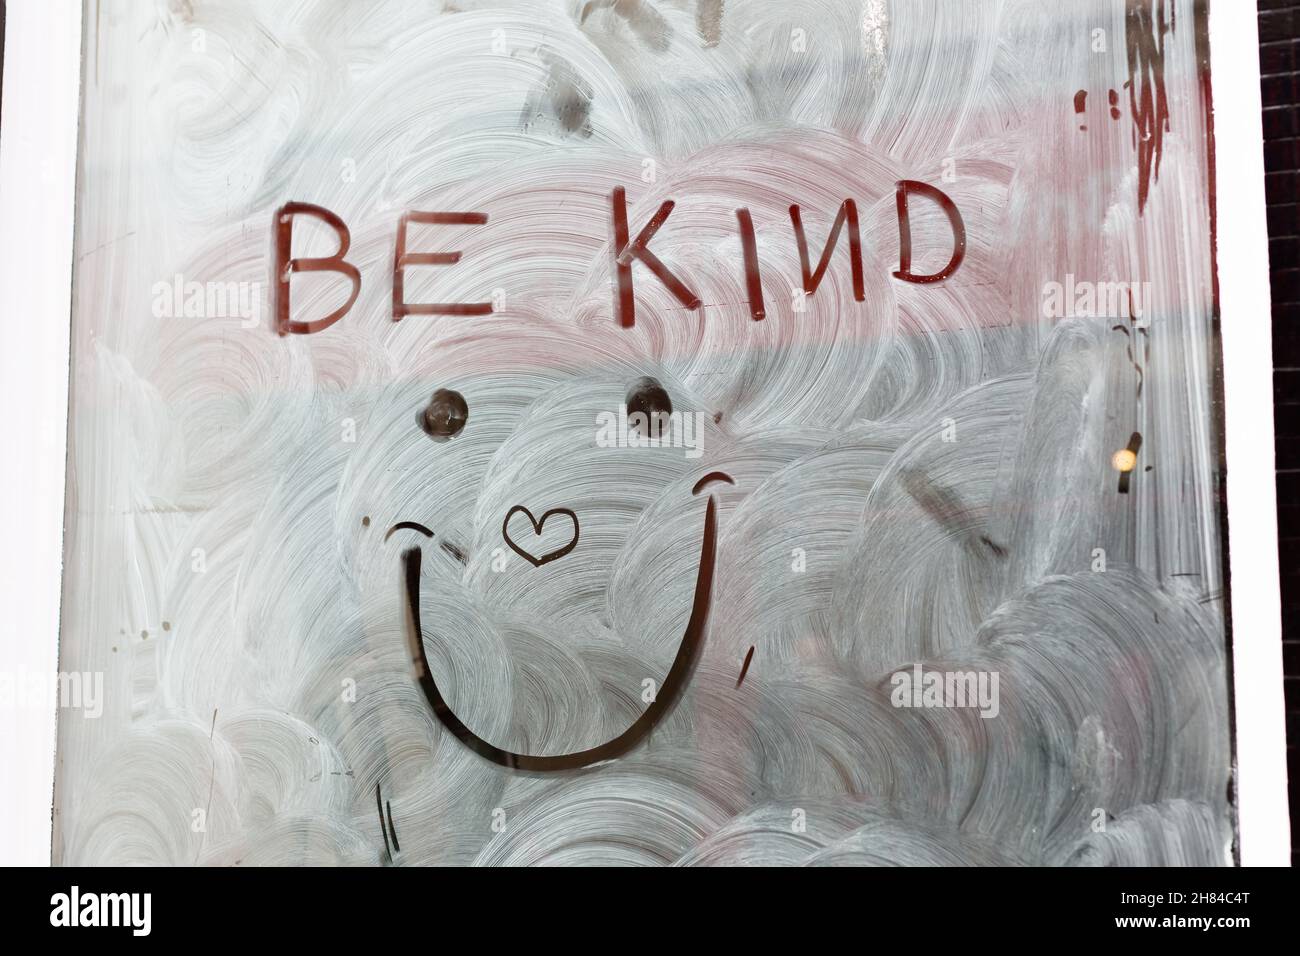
(961, 566)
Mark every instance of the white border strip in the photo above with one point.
(1248, 394)
(38, 162)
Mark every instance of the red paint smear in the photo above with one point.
(1145, 26)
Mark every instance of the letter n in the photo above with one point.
(811, 280)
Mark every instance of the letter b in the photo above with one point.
(285, 267)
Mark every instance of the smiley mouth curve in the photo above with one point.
(669, 693)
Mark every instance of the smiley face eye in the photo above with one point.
(445, 415)
(649, 398)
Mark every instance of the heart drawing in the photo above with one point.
(537, 562)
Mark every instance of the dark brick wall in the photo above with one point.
(1279, 67)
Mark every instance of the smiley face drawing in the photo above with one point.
(443, 419)
(545, 546)
(678, 675)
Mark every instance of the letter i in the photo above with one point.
(753, 281)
